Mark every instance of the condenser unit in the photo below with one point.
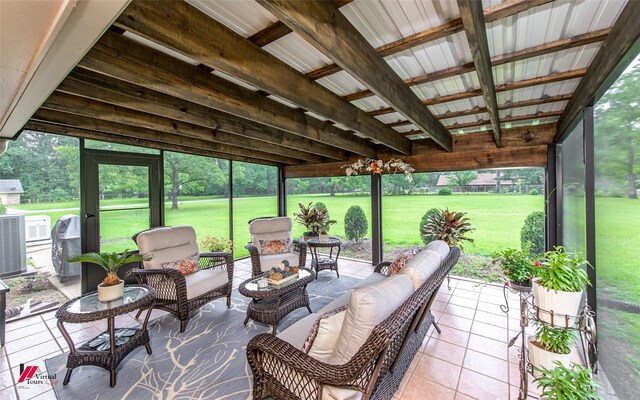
(37, 228)
(13, 252)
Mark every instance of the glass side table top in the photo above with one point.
(253, 285)
(90, 303)
(332, 240)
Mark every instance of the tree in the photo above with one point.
(193, 173)
(617, 127)
(461, 178)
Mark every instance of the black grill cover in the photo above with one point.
(65, 243)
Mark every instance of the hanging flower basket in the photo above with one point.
(373, 166)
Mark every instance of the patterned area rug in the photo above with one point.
(208, 361)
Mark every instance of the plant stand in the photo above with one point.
(530, 312)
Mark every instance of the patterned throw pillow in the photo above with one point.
(277, 246)
(402, 260)
(324, 332)
(186, 266)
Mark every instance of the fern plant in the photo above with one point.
(111, 262)
(451, 227)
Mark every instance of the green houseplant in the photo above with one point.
(451, 227)
(517, 268)
(111, 287)
(550, 345)
(309, 217)
(562, 277)
(563, 383)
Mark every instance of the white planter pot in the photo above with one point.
(560, 302)
(324, 237)
(108, 293)
(543, 358)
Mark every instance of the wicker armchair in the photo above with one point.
(271, 228)
(282, 371)
(176, 293)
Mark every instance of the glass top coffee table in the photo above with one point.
(271, 304)
(109, 348)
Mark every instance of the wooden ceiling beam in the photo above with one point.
(80, 106)
(438, 32)
(547, 48)
(506, 119)
(211, 43)
(559, 77)
(624, 33)
(328, 30)
(124, 59)
(143, 135)
(474, 26)
(109, 90)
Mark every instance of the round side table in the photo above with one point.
(320, 263)
(109, 348)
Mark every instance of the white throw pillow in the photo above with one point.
(324, 334)
(368, 307)
(421, 267)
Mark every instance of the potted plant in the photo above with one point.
(309, 218)
(324, 224)
(451, 227)
(549, 346)
(111, 287)
(564, 383)
(558, 288)
(517, 268)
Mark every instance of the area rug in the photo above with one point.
(208, 361)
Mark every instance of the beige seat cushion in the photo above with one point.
(439, 246)
(368, 307)
(271, 229)
(204, 280)
(273, 260)
(167, 244)
(335, 393)
(324, 334)
(297, 333)
(340, 301)
(370, 280)
(421, 267)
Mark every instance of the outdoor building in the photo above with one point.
(10, 191)
(305, 199)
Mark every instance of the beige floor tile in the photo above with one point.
(418, 388)
(492, 309)
(491, 319)
(488, 346)
(437, 370)
(461, 301)
(445, 351)
(438, 305)
(452, 321)
(12, 346)
(490, 331)
(460, 311)
(451, 335)
(487, 365)
(460, 396)
(482, 387)
(25, 331)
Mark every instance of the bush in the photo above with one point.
(445, 192)
(212, 243)
(534, 192)
(532, 234)
(3, 208)
(355, 223)
(426, 238)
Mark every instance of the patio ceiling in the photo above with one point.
(310, 85)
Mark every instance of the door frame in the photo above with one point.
(90, 160)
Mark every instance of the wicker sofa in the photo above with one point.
(373, 370)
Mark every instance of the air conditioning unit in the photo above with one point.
(13, 252)
(37, 228)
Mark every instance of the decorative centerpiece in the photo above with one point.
(373, 166)
(281, 274)
(111, 287)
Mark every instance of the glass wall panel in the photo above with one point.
(338, 194)
(99, 145)
(196, 193)
(617, 170)
(255, 189)
(497, 202)
(573, 198)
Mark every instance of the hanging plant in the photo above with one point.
(373, 166)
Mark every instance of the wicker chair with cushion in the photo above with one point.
(272, 242)
(176, 292)
(396, 308)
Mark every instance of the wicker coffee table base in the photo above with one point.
(271, 311)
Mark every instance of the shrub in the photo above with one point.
(355, 223)
(426, 238)
(532, 234)
(450, 227)
(534, 192)
(445, 192)
(212, 243)
(3, 208)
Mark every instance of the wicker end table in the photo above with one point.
(271, 304)
(109, 348)
(320, 263)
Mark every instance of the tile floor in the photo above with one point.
(469, 360)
